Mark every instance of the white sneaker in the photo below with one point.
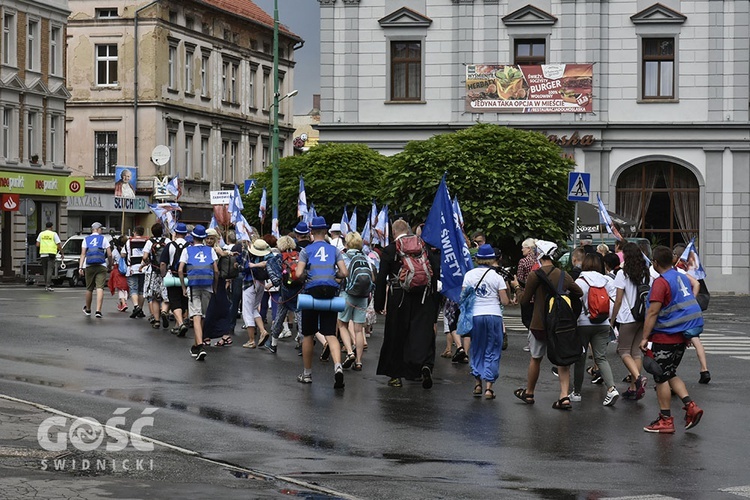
(285, 333)
(575, 397)
(611, 397)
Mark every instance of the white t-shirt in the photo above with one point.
(147, 249)
(622, 282)
(594, 278)
(487, 302)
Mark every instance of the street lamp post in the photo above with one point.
(275, 159)
(275, 132)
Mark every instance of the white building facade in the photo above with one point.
(667, 141)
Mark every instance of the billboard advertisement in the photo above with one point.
(547, 88)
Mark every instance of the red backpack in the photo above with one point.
(415, 265)
(597, 305)
(289, 261)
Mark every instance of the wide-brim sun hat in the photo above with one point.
(212, 232)
(318, 223)
(260, 248)
(486, 252)
(199, 232)
(301, 228)
(335, 227)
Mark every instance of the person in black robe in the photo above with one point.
(408, 349)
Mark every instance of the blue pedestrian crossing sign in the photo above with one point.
(579, 184)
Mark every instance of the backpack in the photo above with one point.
(641, 302)
(703, 295)
(228, 267)
(175, 264)
(597, 304)
(416, 270)
(359, 283)
(273, 267)
(560, 321)
(157, 248)
(289, 261)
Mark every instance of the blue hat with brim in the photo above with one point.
(318, 223)
(301, 228)
(199, 232)
(486, 252)
(181, 228)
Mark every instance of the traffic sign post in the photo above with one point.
(579, 189)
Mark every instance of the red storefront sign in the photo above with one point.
(11, 202)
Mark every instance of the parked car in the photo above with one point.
(66, 265)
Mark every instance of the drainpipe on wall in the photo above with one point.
(135, 83)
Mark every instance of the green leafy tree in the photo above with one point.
(335, 175)
(510, 183)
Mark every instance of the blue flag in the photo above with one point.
(443, 231)
(263, 207)
(693, 261)
(344, 222)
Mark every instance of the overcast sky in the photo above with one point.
(303, 18)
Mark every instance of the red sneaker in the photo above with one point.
(693, 415)
(663, 425)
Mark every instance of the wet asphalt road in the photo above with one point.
(244, 407)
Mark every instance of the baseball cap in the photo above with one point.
(96, 225)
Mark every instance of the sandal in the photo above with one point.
(447, 354)
(357, 367)
(263, 339)
(562, 404)
(477, 389)
(206, 342)
(224, 341)
(489, 394)
(249, 345)
(524, 396)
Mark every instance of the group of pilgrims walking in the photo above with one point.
(326, 288)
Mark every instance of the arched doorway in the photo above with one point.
(663, 198)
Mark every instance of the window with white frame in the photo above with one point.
(172, 84)
(5, 140)
(265, 157)
(233, 147)
(105, 13)
(9, 39)
(33, 139)
(204, 156)
(55, 51)
(106, 65)
(204, 74)
(54, 142)
(33, 42)
(234, 74)
(266, 90)
(225, 81)
(251, 160)
(251, 87)
(224, 157)
(188, 156)
(105, 153)
(172, 145)
(189, 54)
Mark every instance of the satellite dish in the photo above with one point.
(161, 155)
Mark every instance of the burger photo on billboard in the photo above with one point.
(576, 83)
